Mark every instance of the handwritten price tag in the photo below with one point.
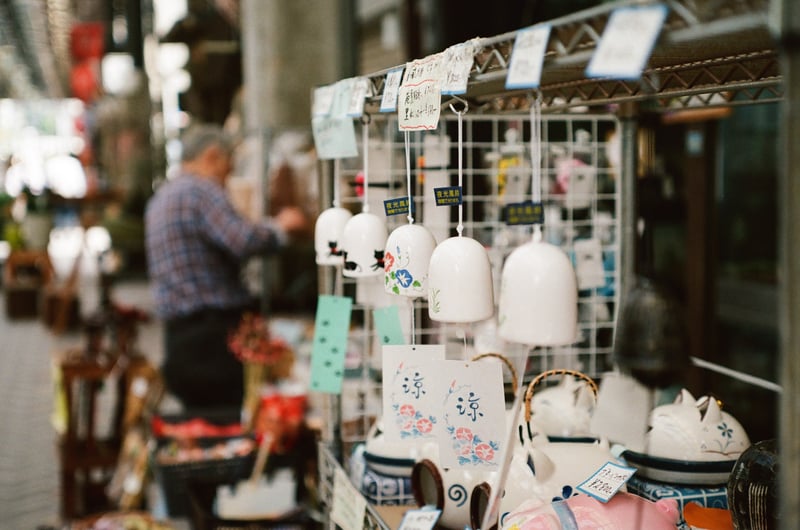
(458, 60)
(422, 519)
(607, 481)
(390, 89)
(627, 42)
(527, 57)
(349, 506)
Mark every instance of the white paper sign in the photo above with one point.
(607, 481)
(589, 264)
(422, 519)
(430, 68)
(334, 137)
(358, 94)
(349, 506)
(410, 410)
(458, 64)
(527, 57)
(323, 100)
(390, 88)
(419, 106)
(627, 42)
(473, 414)
(342, 96)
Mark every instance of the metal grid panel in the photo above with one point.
(583, 213)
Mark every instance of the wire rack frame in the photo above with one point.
(573, 216)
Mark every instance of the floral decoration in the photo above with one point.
(411, 422)
(470, 448)
(397, 273)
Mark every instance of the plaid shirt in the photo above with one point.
(196, 243)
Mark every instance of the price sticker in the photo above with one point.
(430, 68)
(627, 42)
(607, 481)
(527, 57)
(331, 328)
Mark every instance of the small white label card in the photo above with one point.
(410, 408)
(323, 100)
(589, 264)
(527, 57)
(349, 506)
(606, 481)
(419, 105)
(458, 64)
(473, 414)
(358, 95)
(390, 88)
(627, 42)
(430, 68)
(422, 519)
(334, 137)
(342, 96)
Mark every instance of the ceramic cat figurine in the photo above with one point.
(695, 430)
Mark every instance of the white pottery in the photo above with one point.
(460, 282)
(327, 235)
(538, 296)
(363, 241)
(690, 441)
(393, 458)
(565, 410)
(406, 260)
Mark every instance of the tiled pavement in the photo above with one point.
(29, 484)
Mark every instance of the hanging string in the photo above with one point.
(336, 196)
(536, 158)
(460, 114)
(413, 323)
(365, 146)
(408, 178)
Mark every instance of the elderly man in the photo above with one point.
(196, 243)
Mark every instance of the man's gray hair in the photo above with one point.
(199, 137)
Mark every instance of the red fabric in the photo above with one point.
(87, 41)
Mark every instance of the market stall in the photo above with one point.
(472, 146)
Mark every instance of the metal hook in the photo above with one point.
(366, 118)
(535, 95)
(463, 102)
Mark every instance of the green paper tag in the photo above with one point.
(387, 323)
(331, 328)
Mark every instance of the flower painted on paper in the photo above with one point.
(388, 261)
(424, 425)
(463, 433)
(484, 451)
(407, 410)
(404, 278)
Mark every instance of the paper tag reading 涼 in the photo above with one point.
(607, 481)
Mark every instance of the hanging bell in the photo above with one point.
(651, 343)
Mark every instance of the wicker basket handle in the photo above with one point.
(548, 373)
(507, 362)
